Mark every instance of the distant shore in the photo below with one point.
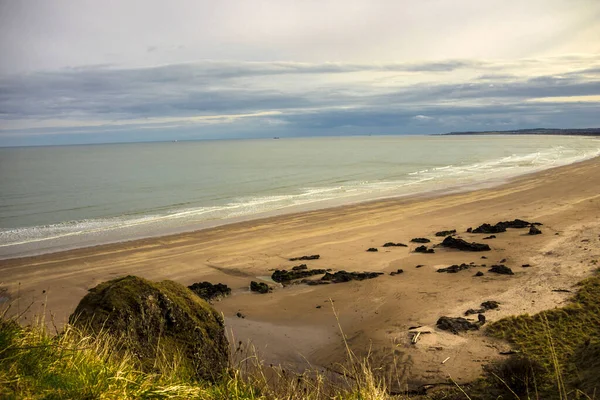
(536, 131)
(295, 324)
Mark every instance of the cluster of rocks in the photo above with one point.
(463, 245)
(398, 271)
(260, 287)
(424, 249)
(445, 233)
(458, 324)
(485, 306)
(306, 258)
(392, 244)
(208, 291)
(343, 276)
(284, 276)
(502, 226)
(501, 269)
(454, 268)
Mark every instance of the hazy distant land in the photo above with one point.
(535, 131)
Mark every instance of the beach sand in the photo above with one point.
(296, 325)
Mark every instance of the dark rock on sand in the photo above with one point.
(208, 291)
(479, 273)
(424, 249)
(463, 245)
(282, 275)
(489, 237)
(398, 271)
(260, 287)
(150, 317)
(481, 318)
(490, 304)
(343, 276)
(469, 230)
(487, 228)
(501, 269)
(456, 325)
(454, 268)
(372, 249)
(485, 306)
(392, 244)
(306, 258)
(420, 240)
(419, 266)
(503, 225)
(526, 265)
(240, 315)
(534, 231)
(299, 267)
(445, 233)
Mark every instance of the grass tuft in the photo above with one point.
(560, 346)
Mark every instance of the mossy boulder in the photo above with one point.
(151, 318)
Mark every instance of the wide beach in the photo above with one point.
(296, 324)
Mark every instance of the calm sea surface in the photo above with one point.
(54, 198)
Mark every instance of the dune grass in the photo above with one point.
(560, 348)
(35, 364)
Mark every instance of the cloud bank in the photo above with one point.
(257, 99)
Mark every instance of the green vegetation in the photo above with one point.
(73, 365)
(560, 346)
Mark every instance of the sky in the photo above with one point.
(118, 71)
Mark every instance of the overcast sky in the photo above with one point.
(109, 71)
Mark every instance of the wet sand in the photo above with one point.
(287, 326)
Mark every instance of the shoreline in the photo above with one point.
(65, 232)
(291, 211)
(288, 326)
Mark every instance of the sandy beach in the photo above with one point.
(296, 326)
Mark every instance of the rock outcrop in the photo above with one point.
(392, 244)
(463, 245)
(208, 291)
(149, 318)
(260, 287)
(456, 325)
(306, 258)
(424, 249)
(501, 269)
(284, 276)
(454, 268)
(503, 225)
(343, 276)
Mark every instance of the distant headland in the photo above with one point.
(535, 131)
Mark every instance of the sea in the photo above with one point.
(64, 197)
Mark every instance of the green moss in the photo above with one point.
(564, 341)
(157, 319)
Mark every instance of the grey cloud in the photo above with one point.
(104, 93)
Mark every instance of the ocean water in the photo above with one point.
(64, 197)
